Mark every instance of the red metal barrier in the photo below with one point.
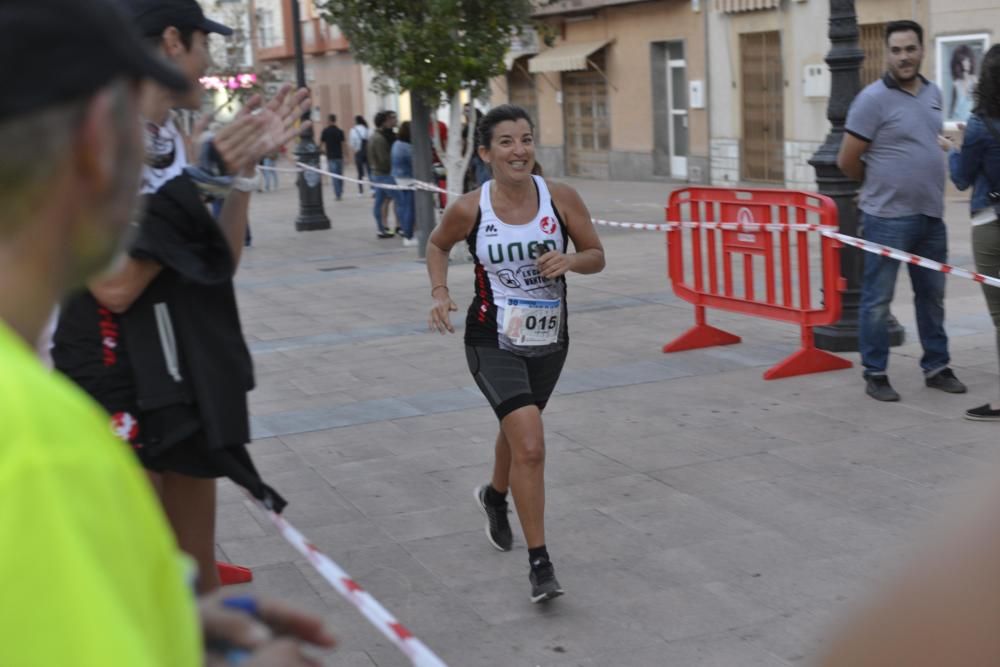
(715, 251)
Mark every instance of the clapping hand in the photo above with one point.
(261, 128)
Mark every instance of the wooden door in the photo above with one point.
(347, 112)
(871, 38)
(587, 124)
(763, 107)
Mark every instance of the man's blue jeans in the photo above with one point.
(336, 167)
(381, 194)
(920, 235)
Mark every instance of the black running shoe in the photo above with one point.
(984, 413)
(544, 585)
(878, 387)
(946, 381)
(497, 526)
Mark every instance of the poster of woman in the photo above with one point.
(958, 60)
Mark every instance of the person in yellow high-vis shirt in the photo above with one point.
(90, 574)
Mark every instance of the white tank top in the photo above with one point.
(515, 308)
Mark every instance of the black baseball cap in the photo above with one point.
(56, 51)
(154, 16)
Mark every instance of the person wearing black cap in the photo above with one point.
(89, 571)
(159, 344)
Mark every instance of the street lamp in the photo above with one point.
(845, 58)
(310, 183)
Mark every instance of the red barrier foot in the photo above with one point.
(807, 360)
(233, 574)
(701, 335)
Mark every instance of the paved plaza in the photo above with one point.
(697, 515)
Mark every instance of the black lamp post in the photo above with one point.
(310, 183)
(845, 58)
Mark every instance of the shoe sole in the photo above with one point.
(947, 391)
(977, 418)
(547, 595)
(482, 508)
(894, 399)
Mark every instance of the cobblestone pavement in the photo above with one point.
(697, 515)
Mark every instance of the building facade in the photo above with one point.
(770, 85)
(339, 84)
(620, 94)
(714, 91)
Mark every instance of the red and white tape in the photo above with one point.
(370, 608)
(916, 260)
(867, 246)
(414, 185)
(724, 226)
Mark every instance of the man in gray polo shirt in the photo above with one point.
(891, 145)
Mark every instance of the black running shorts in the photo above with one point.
(510, 381)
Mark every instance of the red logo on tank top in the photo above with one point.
(109, 336)
(125, 426)
(548, 225)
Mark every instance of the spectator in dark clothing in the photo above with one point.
(332, 140)
(478, 171)
(380, 161)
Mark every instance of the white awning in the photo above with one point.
(745, 5)
(565, 58)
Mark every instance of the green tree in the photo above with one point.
(434, 49)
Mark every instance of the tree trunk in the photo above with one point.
(422, 171)
(456, 161)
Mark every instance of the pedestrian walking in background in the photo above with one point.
(269, 162)
(402, 174)
(977, 164)
(891, 145)
(332, 140)
(380, 161)
(358, 140)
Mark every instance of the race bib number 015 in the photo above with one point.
(532, 322)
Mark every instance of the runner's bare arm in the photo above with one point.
(119, 291)
(454, 228)
(849, 158)
(589, 253)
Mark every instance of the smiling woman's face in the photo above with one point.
(511, 153)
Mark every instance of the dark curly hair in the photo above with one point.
(988, 90)
(962, 52)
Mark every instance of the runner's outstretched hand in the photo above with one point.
(440, 318)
